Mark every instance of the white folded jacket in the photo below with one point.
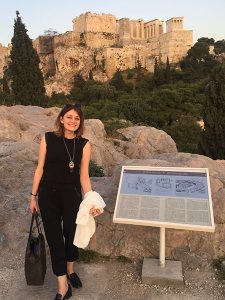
(85, 221)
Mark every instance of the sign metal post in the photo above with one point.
(162, 247)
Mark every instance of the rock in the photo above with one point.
(27, 124)
(2, 238)
(135, 142)
(147, 140)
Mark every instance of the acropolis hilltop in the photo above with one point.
(101, 43)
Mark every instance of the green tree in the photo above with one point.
(186, 132)
(27, 81)
(90, 76)
(78, 81)
(212, 141)
(167, 71)
(118, 81)
(159, 73)
(208, 41)
(219, 47)
(199, 62)
(100, 91)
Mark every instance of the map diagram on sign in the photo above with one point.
(165, 183)
(140, 184)
(190, 186)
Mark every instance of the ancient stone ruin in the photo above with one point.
(102, 44)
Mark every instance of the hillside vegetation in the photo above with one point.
(178, 99)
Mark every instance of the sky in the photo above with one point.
(204, 17)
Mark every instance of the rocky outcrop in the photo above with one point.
(20, 133)
(23, 126)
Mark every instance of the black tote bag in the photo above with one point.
(35, 256)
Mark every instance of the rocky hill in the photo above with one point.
(20, 134)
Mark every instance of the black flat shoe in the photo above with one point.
(75, 280)
(67, 295)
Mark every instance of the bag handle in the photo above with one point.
(34, 217)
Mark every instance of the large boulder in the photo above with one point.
(23, 126)
(134, 142)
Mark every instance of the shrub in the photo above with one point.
(95, 170)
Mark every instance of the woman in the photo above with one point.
(62, 171)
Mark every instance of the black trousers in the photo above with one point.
(59, 207)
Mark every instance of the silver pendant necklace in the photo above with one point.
(71, 163)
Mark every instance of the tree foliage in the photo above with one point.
(219, 47)
(170, 99)
(212, 142)
(199, 61)
(118, 81)
(27, 81)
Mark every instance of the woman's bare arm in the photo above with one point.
(84, 175)
(38, 174)
(84, 169)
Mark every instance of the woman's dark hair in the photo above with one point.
(59, 128)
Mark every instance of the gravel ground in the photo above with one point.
(107, 280)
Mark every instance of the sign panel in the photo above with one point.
(165, 197)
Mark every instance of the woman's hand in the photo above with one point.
(33, 204)
(94, 212)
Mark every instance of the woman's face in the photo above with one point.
(71, 120)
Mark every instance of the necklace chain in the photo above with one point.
(71, 163)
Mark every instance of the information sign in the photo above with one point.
(165, 197)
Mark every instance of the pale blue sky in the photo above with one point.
(205, 17)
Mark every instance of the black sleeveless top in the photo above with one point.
(56, 167)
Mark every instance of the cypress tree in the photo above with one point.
(212, 141)
(27, 81)
(118, 81)
(167, 71)
(159, 73)
(90, 76)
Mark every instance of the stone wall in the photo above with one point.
(175, 44)
(65, 40)
(99, 39)
(90, 22)
(119, 58)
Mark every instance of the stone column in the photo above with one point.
(131, 30)
(142, 29)
(137, 30)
